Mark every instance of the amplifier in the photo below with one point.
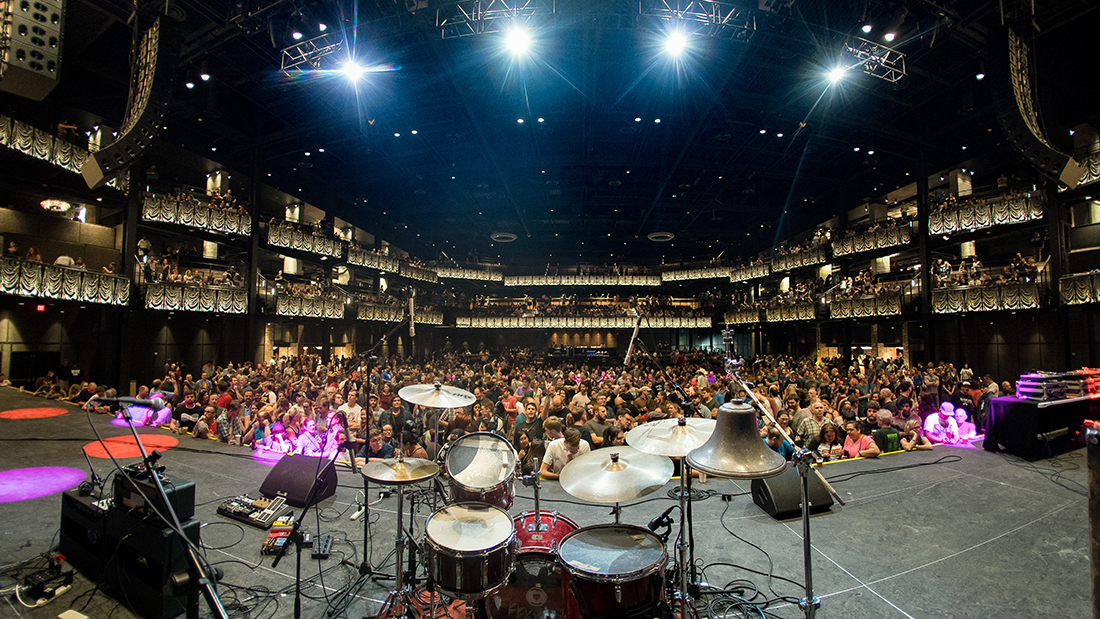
(83, 537)
(135, 491)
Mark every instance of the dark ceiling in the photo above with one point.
(588, 182)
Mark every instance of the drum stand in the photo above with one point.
(398, 600)
(685, 543)
(804, 459)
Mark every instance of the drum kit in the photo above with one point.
(540, 563)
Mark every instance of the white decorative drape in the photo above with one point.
(579, 322)
(165, 209)
(743, 317)
(1011, 209)
(801, 259)
(33, 279)
(885, 305)
(1080, 288)
(583, 280)
(691, 274)
(750, 272)
(877, 239)
(292, 239)
(986, 298)
(474, 274)
(189, 298)
(788, 313)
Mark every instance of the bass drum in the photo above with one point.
(534, 591)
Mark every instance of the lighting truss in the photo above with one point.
(715, 18)
(877, 60)
(470, 17)
(307, 55)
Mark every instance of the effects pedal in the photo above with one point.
(322, 548)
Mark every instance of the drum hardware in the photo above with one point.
(533, 480)
(803, 459)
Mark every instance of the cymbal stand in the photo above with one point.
(533, 480)
(683, 547)
(617, 512)
(804, 459)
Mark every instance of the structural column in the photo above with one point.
(925, 258)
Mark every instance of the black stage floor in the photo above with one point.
(950, 533)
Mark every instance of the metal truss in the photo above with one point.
(877, 60)
(708, 17)
(307, 55)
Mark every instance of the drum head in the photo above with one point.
(533, 591)
(468, 527)
(612, 552)
(480, 460)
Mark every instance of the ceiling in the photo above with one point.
(589, 181)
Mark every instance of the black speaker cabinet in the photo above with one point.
(781, 496)
(294, 476)
(83, 537)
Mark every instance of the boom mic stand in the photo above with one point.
(804, 459)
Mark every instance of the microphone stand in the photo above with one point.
(805, 460)
(205, 580)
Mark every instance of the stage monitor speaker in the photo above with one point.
(294, 476)
(30, 46)
(781, 496)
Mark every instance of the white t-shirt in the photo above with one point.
(557, 455)
(354, 413)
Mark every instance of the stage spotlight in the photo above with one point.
(204, 76)
(866, 28)
(837, 74)
(518, 41)
(322, 27)
(189, 84)
(890, 36)
(675, 43)
(352, 70)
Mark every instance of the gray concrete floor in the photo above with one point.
(948, 533)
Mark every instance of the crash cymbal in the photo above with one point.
(395, 471)
(615, 474)
(671, 437)
(437, 396)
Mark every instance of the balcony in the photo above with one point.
(866, 307)
(371, 260)
(1012, 209)
(309, 307)
(1080, 288)
(396, 313)
(986, 298)
(583, 280)
(884, 238)
(753, 271)
(290, 238)
(790, 313)
(473, 274)
(743, 317)
(805, 258)
(581, 322)
(165, 209)
(693, 274)
(192, 298)
(47, 281)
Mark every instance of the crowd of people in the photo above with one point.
(555, 411)
(13, 252)
(972, 273)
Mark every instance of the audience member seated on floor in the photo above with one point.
(886, 437)
(942, 427)
(4, 382)
(561, 450)
(905, 414)
(827, 443)
(913, 438)
(94, 405)
(203, 425)
(309, 442)
(778, 445)
(44, 383)
(859, 445)
(967, 430)
(227, 424)
(810, 427)
(258, 432)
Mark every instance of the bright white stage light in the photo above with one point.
(890, 36)
(867, 28)
(675, 43)
(837, 74)
(518, 41)
(352, 70)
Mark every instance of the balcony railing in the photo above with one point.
(309, 307)
(804, 258)
(1012, 209)
(581, 322)
(871, 240)
(743, 317)
(165, 209)
(985, 298)
(1080, 288)
(690, 274)
(753, 271)
(424, 275)
(866, 307)
(583, 280)
(192, 298)
(474, 274)
(48, 281)
(372, 260)
(395, 313)
(788, 313)
(292, 239)
(42, 145)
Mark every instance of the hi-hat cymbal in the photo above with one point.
(668, 437)
(615, 474)
(395, 471)
(437, 396)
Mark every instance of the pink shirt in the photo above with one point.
(851, 450)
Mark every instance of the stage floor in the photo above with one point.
(955, 532)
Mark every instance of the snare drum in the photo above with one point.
(545, 539)
(613, 568)
(470, 549)
(480, 467)
(533, 592)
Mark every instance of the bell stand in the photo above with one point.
(685, 543)
(804, 460)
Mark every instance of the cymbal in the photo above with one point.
(668, 438)
(615, 474)
(437, 396)
(395, 471)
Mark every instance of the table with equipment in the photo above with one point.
(1022, 427)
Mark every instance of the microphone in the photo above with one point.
(633, 338)
(412, 313)
(663, 520)
(155, 403)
